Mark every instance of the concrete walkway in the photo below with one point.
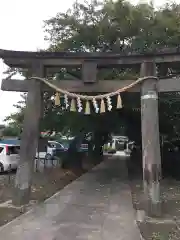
(97, 206)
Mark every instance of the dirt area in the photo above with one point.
(45, 184)
(168, 226)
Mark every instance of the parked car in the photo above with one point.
(9, 152)
(52, 149)
(9, 156)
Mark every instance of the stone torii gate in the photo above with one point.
(40, 62)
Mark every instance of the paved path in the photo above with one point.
(97, 206)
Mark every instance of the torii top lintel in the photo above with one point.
(89, 63)
(53, 59)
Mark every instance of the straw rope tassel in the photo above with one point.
(73, 105)
(119, 102)
(102, 107)
(90, 98)
(57, 99)
(87, 108)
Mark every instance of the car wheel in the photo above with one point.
(1, 167)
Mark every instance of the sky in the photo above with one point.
(21, 28)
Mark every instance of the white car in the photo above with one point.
(9, 157)
(9, 154)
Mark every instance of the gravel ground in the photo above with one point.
(45, 184)
(168, 226)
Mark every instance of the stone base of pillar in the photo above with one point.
(153, 209)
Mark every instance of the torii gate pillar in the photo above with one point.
(29, 138)
(150, 140)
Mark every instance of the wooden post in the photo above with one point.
(150, 140)
(29, 139)
(89, 71)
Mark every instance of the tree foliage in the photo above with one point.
(10, 131)
(104, 26)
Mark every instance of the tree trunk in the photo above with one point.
(74, 157)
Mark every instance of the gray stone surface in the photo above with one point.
(97, 206)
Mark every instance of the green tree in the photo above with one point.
(15, 120)
(10, 131)
(104, 26)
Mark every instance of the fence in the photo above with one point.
(43, 163)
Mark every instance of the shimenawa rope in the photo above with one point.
(100, 96)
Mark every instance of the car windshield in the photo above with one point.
(55, 145)
(58, 145)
